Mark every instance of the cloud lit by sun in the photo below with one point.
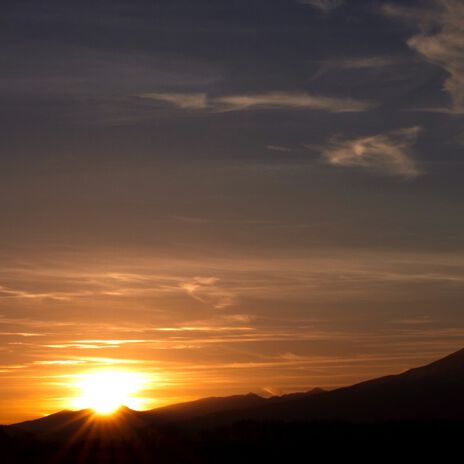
(106, 391)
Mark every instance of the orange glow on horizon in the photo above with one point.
(106, 391)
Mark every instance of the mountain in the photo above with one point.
(217, 405)
(205, 406)
(55, 421)
(431, 392)
(64, 424)
(417, 415)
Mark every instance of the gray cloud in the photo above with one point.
(388, 153)
(323, 5)
(194, 101)
(367, 62)
(440, 42)
(286, 100)
(361, 64)
(278, 148)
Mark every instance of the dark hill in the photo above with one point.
(217, 405)
(417, 415)
(431, 392)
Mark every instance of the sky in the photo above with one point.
(227, 196)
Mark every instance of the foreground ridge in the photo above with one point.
(430, 392)
(392, 415)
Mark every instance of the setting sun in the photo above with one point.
(106, 391)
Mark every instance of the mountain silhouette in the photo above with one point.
(431, 392)
(218, 405)
(417, 414)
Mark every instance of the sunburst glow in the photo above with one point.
(106, 391)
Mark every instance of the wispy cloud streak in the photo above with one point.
(388, 153)
(440, 42)
(270, 100)
(323, 5)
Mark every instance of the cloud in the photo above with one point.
(388, 153)
(270, 100)
(278, 148)
(366, 62)
(59, 362)
(440, 42)
(361, 64)
(293, 101)
(323, 5)
(207, 290)
(195, 101)
(21, 334)
(6, 292)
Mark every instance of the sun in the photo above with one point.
(106, 391)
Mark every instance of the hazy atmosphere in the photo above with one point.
(227, 196)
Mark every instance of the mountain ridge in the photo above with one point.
(429, 392)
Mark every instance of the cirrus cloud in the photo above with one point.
(208, 290)
(323, 5)
(193, 101)
(388, 153)
(270, 100)
(440, 42)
